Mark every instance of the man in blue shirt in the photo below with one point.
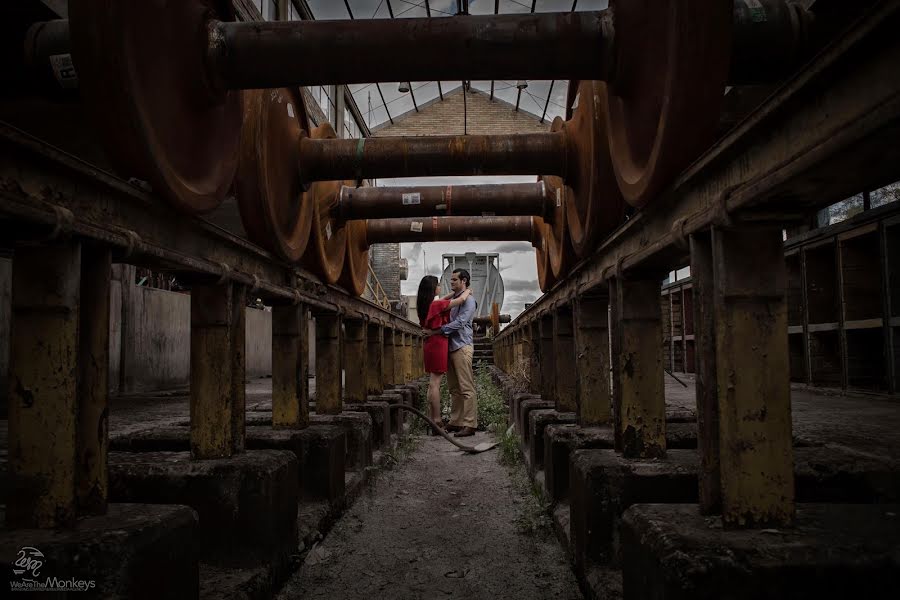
(460, 378)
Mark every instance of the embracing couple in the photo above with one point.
(447, 323)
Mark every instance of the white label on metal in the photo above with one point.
(757, 11)
(328, 230)
(64, 70)
(558, 198)
(290, 110)
(413, 198)
(488, 214)
(416, 226)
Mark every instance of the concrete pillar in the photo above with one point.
(705, 373)
(564, 358)
(217, 373)
(753, 376)
(591, 325)
(638, 369)
(535, 365)
(355, 357)
(328, 364)
(548, 362)
(43, 377)
(290, 366)
(374, 366)
(407, 358)
(389, 359)
(91, 475)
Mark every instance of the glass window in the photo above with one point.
(840, 211)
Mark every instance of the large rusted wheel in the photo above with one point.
(542, 255)
(595, 205)
(328, 242)
(275, 211)
(140, 67)
(666, 91)
(356, 262)
(560, 254)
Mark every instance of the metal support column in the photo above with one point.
(290, 366)
(534, 359)
(355, 357)
(638, 374)
(43, 369)
(375, 343)
(91, 475)
(238, 367)
(328, 364)
(566, 396)
(753, 375)
(592, 360)
(390, 357)
(548, 362)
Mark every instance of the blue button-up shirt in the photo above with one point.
(459, 329)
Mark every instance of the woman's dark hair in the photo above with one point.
(427, 289)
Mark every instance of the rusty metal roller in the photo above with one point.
(546, 280)
(447, 229)
(276, 211)
(328, 243)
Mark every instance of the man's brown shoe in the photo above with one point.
(452, 428)
(465, 432)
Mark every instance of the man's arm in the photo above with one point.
(465, 314)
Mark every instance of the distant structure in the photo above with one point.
(487, 284)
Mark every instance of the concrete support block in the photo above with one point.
(603, 484)
(525, 407)
(396, 415)
(514, 404)
(357, 427)
(547, 363)
(329, 387)
(560, 441)
(355, 360)
(591, 329)
(380, 415)
(564, 360)
(290, 366)
(247, 504)
(538, 421)
(389, 359)
(833, 551)
(374, 366)
(143, 551)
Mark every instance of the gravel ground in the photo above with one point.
(442, 524)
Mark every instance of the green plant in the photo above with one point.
(492, 409)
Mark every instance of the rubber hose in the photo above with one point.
(421, 415)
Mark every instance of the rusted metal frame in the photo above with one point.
(390, 118)
(547, 103)
(290, 366)
(260, 55)
(44, 366)
(368, 158)
(79, 200)
(349, 10)
(433, 229)
(355, 360)
(753, 376)
(329, 385)
(460, 200)
(821, 125)
(217, 370)
(391, 9)
(564, 359)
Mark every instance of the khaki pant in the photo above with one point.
(461, 381)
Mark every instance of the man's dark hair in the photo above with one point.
(464, 275)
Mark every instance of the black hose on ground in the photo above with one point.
(477, 449)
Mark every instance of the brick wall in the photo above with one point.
(385, 261)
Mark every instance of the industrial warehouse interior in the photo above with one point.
(476, 299)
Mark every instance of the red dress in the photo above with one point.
(435, 347)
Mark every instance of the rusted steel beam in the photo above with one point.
(487, 320)
(591, 328)
(355, 357)
(548, 359)
(290, 366)
(91, 474)
(476, 47)
(753, 376)
(329, 384)
(43, 375)
(217, 413)
(375, 342)
(424, 156)
(93, 205)
(451, 200)
(566, 376)
(534, 360)
(437, 229)
(638, 368)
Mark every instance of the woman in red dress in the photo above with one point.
(433, 314)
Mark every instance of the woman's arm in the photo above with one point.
(462, 298)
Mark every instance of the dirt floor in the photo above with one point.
(442, 524)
